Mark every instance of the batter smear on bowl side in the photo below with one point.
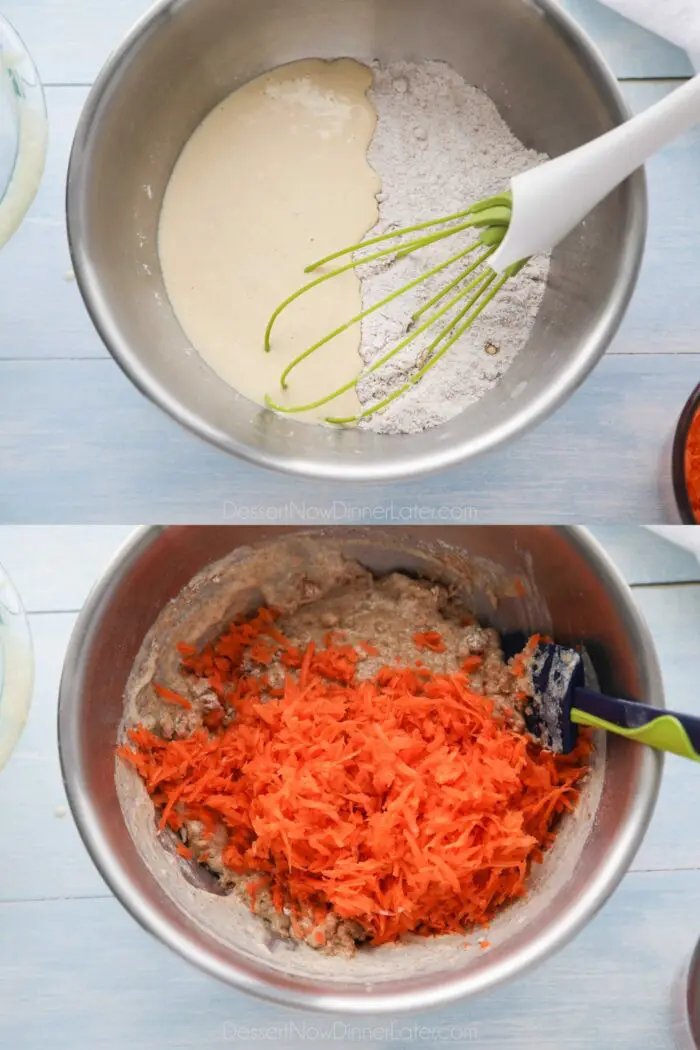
(297, 164)
(351, 763)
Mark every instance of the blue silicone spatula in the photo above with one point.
(562, 702)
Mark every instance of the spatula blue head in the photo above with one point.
(561, 701)
(556, 672)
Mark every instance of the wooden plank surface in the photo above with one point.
(81, 973)
(74, 968)
(53, 568)
(100, 453)
(639, 554)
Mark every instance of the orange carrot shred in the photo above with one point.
(430, 640)
(184, 851)
(472, 663)
(400, 802)
(213, 719)
(692, 465)
(171, 696)
(261, 653)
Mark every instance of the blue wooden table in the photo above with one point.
(77, 973)
(78, 443)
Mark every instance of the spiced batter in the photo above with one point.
(326, 592)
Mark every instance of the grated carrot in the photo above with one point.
(472, 663)
(171, 696)
(430, 640)
(519, 662)
(399, 802)
(692, 465)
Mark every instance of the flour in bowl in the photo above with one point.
(439, 146)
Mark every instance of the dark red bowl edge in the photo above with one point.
(680, 488)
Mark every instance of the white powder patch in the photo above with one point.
(336, 110)
(440, 145)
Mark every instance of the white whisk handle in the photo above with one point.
(550, 200)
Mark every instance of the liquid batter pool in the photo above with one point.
(274, 178)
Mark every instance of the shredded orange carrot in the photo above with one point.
(171, 696)
(472, 663)
(519, 662)
(430, 640)
(184, 851)
(213, 719)
(261, 653)
(400, 802)
(692, 465)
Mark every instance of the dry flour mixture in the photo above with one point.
(439, 145)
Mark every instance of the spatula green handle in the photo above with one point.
(655, 727)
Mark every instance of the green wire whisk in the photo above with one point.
(452, 310)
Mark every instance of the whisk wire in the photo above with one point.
(453, 284)
(485, 277)
(410, 247)
(501, 205)
(391, 235)
(495, 219)
(491, 217)
(382, 360)
(417, 376)
(481, 283)
(373, 309)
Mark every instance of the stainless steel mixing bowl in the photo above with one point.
(550, 84)
(581, 597)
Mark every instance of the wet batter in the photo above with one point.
(274, 178)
